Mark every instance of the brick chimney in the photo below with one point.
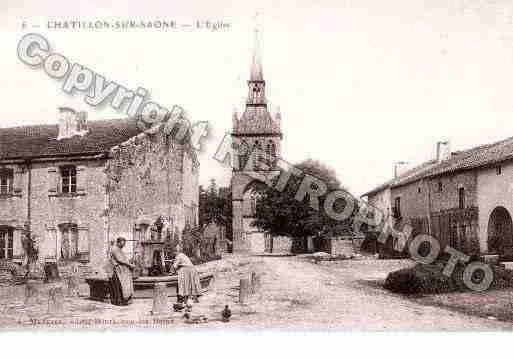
(71, 123)
(399, 168)
(443, 151)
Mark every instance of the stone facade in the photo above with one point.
(381, 200)
(450, 198)
(127, 180)
(150, 177)
(432, 206)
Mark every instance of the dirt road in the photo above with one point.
(295, 294)
(299, 294)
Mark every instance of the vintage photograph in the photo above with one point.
(292, 165)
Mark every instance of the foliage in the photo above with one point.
(280, 214)
(429, 279)
(215, 206)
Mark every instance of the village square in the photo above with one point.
(104, 223)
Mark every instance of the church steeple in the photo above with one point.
(256, 73)
(256, 83)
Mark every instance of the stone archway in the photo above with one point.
(500, 233)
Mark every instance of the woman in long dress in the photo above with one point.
(122, 287)
(189, 286)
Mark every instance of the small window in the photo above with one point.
(69, 241)
(6, 178)
(498, 170)
(461, 197)
(419, 190)
(69, 179)
(440, 187)
(397, 207)
(6, 243)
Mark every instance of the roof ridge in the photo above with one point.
(40, 125)
(440, 168)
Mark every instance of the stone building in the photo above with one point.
(77, 186)
(464, 198)
(256, 136)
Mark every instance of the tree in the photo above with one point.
(215, 206)
(280, 214)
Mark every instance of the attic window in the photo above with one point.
(498, 170)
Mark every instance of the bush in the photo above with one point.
(420, 279)
(429, 279)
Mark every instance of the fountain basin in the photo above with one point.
(143, 286)
(99, 287)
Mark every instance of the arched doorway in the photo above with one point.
(500, 233)
(252, 234)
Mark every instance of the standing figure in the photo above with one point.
(188, 278)
(121, 284)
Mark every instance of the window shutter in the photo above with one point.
(83, 243)
(53, 180)
(17, 180)
(81, 179)
(17, 252)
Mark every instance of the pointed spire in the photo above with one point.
(277, 116)
(256, 73)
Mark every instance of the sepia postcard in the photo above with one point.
(294, 165)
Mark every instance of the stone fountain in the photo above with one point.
(153, 251)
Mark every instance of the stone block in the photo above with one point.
(244, 290)
(55, 300)
(160, 300)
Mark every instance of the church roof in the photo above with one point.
(41, 140)
(256, 120)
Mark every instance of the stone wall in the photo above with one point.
(414, 200)
(150, 176)
(381, 200)
(493, 190)
(51, 209)
(448, 197)
(451, 225)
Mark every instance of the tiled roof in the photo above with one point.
(406, 176)
(41, 140)
(476, 157)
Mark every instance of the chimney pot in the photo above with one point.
(71, 123)
(443, 151)
(400, 168)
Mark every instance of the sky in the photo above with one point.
(360, 84)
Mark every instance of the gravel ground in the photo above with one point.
(296, 294)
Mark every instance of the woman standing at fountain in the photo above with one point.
(122, 287)
(188, 278)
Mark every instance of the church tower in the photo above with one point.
(256, 137)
